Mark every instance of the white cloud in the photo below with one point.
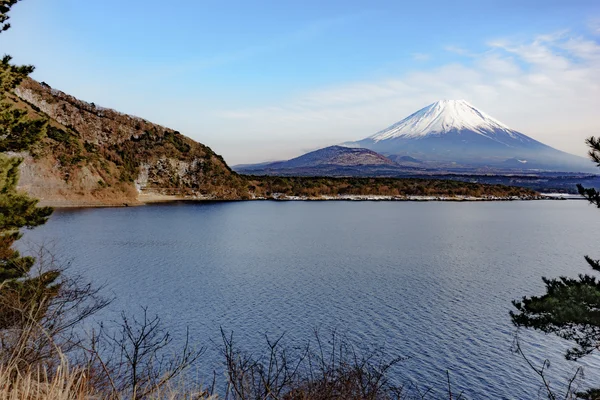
(421, 57)
(582, 48)
(499, 65)
(547, 88)
(458, 50)
(594, 26)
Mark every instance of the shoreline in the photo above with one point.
(171, 199)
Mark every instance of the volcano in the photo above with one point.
(455, 131)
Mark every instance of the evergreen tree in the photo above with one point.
(17, 210)
(5, 6)
(18, 132)
(570, 308)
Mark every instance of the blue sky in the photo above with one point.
(265, 80)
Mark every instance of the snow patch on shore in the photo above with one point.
(351, 197)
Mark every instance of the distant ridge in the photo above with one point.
(332, 161)
(329, 156)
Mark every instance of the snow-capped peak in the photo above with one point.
(441, 117)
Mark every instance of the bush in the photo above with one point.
(59, 135)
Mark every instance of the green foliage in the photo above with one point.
(90, 147)
(11, 75)
(5, 6)
(570, 308)
(177, 140)
(59, 135)
(591, 194)
(70, 152)
(17, 131)
(17, 210)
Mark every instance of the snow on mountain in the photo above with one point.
(442, 117)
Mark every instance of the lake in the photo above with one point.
(432, 281)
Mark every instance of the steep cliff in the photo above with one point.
(97, 156)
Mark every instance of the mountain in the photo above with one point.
(400, 159)
(455, 131)
(329, 161)
(333, 155)
(97, 156)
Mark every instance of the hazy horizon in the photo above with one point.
(271, 81)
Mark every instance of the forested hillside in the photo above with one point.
(93, 155)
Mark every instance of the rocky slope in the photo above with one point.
(97, 156)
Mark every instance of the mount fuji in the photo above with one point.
(457, 132)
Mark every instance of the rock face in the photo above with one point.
(98, 156)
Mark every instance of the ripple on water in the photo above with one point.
(430, 281)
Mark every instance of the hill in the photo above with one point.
(334, 155)
(97, 156)
(329, 161)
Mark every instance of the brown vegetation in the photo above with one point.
(46, 352)
(93, 155)
(315, 187)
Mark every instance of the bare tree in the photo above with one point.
(141, 360)
(325, 370)
(570, 391)
(39, 327)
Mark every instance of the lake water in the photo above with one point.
(432, 281)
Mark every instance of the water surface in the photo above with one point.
(432, 281)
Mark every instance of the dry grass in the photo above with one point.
(66, 383)
(63, 384)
